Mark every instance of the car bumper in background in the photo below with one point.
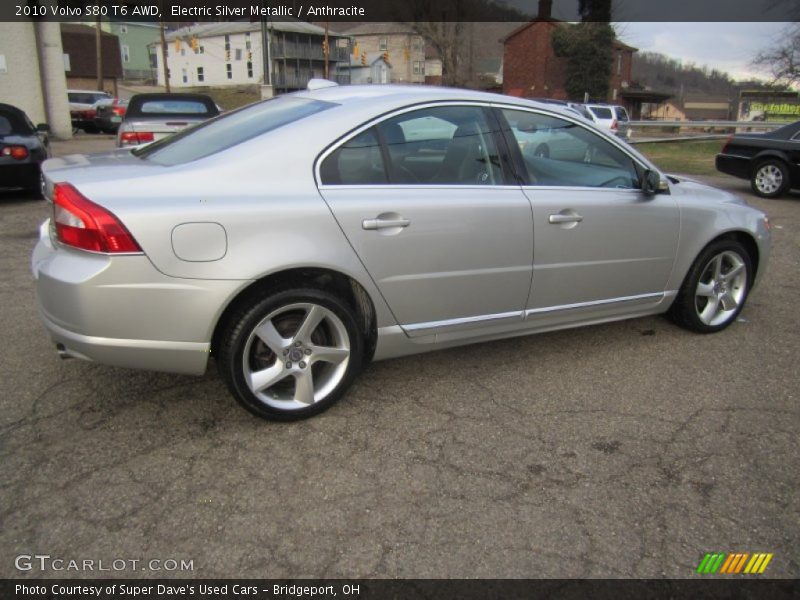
(738, 166)
(19, 174)
(122, 311)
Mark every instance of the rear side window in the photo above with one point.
(229, 130)
(358, 162)
(601, 112)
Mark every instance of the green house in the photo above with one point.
(134, 40)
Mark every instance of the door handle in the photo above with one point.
(560, 218)
(384, 223)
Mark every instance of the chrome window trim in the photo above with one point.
(416, 186)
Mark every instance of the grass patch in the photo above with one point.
(229, 97)
(690, 158)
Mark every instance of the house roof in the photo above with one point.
(207, 30)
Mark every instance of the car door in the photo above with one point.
(422, 197)
(600, 244)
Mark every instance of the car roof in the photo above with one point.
(394, 95)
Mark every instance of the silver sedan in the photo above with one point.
(297, 239)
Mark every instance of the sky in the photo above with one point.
(728, 47)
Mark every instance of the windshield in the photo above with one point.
(230, 130)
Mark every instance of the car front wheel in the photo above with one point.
(770, 178)
(714, 292)
(291, 355)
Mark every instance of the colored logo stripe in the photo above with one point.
(733, 563)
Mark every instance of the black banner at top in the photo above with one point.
(403, 10)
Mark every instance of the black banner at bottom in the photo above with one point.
(391, 589)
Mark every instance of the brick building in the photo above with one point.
(80, 58)
(531, 68)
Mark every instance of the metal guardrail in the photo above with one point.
(706, 124)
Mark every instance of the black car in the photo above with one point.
(23, 148)
(769, 160)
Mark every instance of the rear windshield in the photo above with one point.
(622, 114)
(150, 106)
(12, 122)
(229, 130)
(601, 113)
(87, 97)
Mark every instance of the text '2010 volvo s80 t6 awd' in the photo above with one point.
(299, 238)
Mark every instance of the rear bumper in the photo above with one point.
(121, 311)
(738, 166)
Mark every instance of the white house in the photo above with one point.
(369, 68)
(219, 54)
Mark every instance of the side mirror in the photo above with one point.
(43, 128)
(651, 182)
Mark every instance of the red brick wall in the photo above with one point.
(531, 69)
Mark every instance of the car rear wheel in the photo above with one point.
(291, 355)
(714, 292)
(770, 178)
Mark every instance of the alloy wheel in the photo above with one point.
(721, 288)
(296, 356)
(769, 178)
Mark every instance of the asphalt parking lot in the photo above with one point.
(622, 450)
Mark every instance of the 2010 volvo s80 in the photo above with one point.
(299, 238)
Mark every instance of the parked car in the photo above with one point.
(299, 238)
(23, 149)
(151, 117)
(83, 108)
(612, 117)
(109, 114)
(771, 161)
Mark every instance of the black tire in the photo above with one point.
(770, 178)
(686, 309)
(240, 328)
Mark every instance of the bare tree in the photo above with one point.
(783, 59)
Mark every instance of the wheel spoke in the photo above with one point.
(261, 380)
(705, 289)
(717, 267)
(733, 272)
(328, 354)
(728, 301)
(304, 387)
(710, 311)
(267, 333)
(311, 321)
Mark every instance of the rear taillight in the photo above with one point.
(15, 152)
(136, 137)
(726, 144)
(81, 223)
(118, 110)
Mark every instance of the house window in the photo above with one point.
(229, 70)
(201, 76)
(250, 70)
(384, 44)
(227, 43)
(247, 44)
(202, 49)
(126, 53)
(183, 51)
(123, 29)
(419, 67)
(184, 76)
(238, 54)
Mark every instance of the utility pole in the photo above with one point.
(164, 56)
(266, 57)
(327, 49)
(98, 43)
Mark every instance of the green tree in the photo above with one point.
(587, 47)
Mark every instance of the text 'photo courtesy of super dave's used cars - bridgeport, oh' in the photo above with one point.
(386, 221)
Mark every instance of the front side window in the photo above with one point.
(557, 152)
